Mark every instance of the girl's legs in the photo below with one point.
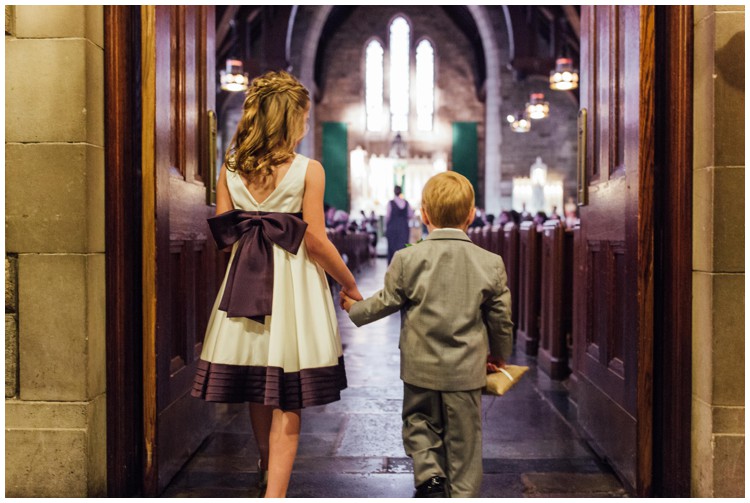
(260, 418)
(284, 437)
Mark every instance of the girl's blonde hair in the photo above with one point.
(448, 198)
(272, 123)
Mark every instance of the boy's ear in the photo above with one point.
(425, 216)
(472, 214)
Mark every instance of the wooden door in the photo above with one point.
(181, 266)
(614, 252)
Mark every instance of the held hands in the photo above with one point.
(494, 364)
(346, 301)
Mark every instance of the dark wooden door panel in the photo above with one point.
(613, 328)
(185, 266)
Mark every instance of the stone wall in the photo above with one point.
(718, 422)
(55, 408)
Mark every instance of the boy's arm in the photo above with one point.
(387, 301)
(497, 310)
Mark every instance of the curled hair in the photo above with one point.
(271, 125)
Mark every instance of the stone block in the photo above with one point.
(719, 93)
(701, 12)
(97, 447)
(719, 219)
(95, 217)
(94, 94)
(84, 472)
(52, 326)
(728, 339)
(729, 219)
(68, 182)
(11, 280)
(728, 420)
(9, 18)
(702, 342)
(35, 110)
(703, 92)
(719, 338)
(95, 24)
(729, 466)
(50, 21)
(701, 455)
(729, 89)
(96, 324)
(45, 463)
(31, 415)
(11, 355)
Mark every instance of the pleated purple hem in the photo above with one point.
(218, 382)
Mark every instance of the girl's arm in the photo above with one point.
(223, 199)
(319, 247)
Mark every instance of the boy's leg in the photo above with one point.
(462, 416)
(422, 432)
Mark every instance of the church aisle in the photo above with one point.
(352, 448)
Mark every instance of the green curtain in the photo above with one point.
(465, 152)
(336, 164)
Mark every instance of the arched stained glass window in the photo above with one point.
(374, 85)
(399, 46)
(425, 85)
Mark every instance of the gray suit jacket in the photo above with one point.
(454, 303)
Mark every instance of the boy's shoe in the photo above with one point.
(433, 488)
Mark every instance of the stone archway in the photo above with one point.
(493, 130)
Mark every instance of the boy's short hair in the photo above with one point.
(448, 198)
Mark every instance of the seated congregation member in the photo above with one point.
(455, 307)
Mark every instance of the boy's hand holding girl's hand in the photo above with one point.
(346, 301)
(494, 364)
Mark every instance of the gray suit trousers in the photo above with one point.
(442, 433)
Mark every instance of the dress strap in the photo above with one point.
(249, 288)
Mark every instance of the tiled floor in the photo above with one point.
(352, 448)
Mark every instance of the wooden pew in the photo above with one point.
(496, 240)
(355, 245)
(556, 299)
(527, 333)
(474, 234)
(486, 233)
(510, 258)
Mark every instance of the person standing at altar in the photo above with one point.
(397, 217)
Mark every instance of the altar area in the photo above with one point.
(372, 178)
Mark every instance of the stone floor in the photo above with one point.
(352, 448)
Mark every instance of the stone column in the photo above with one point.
(55, 408)
(493, 130)
(718, 410)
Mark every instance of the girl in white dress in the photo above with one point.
(272, 339)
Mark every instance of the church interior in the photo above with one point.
(605, 146)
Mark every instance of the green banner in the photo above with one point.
(466, 152)
(336, 164)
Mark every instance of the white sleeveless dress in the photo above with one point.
(295, 358)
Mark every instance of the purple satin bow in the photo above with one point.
(249, 289)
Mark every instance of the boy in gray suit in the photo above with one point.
(455, 323)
